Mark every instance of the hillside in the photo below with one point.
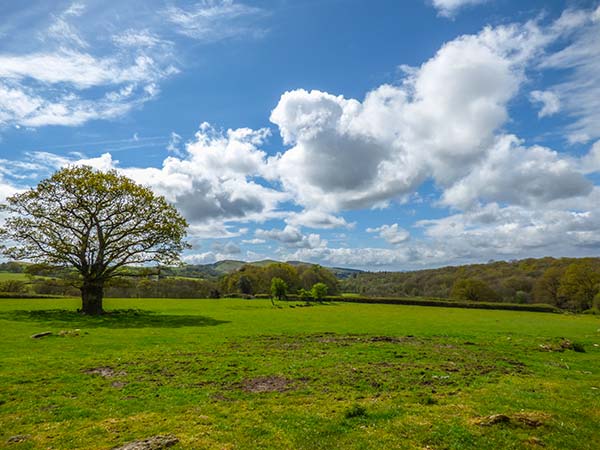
(518, 280)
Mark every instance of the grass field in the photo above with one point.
(13, 276)
(240, 374)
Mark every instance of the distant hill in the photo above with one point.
(227, 266)
(510, 280)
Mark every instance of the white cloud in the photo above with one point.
(314, 218)
(50, 84)
(254, 241)
(173, 146)
(590, 163)
(579, 90)
(347, 154)
(216, 20)
(393, 234)
(292, 237)
(448, 8)
(549, 102)
(518, 175)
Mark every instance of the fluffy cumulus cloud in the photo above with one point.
(213, 180)
(514, 174)
(440, 122)
(291, 236)
(548, 101)
(394, 234)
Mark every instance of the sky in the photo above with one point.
(374, 134)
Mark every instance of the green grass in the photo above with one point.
(4, 276)
(241, 374)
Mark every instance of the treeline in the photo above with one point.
(153, 282)
(121, 287)
(568, 283)
(252, 279)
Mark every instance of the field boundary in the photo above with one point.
(436, 302)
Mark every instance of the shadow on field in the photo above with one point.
(131, 318)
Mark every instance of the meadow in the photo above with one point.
(242, 374)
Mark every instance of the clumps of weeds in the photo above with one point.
(355, 410)
(429, 400)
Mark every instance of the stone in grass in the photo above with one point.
(152, 443)
(494, 419)
(41, 335)
(18, 438)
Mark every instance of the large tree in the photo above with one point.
(94, 222)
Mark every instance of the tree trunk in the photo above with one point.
(91, 298)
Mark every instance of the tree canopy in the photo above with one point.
(94, 222)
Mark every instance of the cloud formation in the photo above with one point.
(216, 20)
(51, 85)
(448, 8)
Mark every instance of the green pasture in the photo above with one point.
(13, 276)
(242, 374)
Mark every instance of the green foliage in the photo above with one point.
(304, 295)
(579, 285)
(279, 288)
(95, 222)
(536, 280)
(473, 290)
(319, 291)
(244, 285)
(256, 279)
(13, 286)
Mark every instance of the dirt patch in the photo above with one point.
(271, 383)
(530, 419)
(153, 443)
(105, 372)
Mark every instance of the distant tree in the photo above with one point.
(303, 294)
(547, 287)
(278, 289)
(13, 286)
(94, 222)
(474, 290)
(244, 285)
(319, 291)
(579, 285)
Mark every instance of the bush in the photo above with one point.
(355, 411)
(319, 291)
(13, 286)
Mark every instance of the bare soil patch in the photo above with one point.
(271, 383)
(105, 372)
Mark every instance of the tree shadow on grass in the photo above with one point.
(129, 318)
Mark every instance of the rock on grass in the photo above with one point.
(152, 443)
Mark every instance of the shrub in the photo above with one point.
(319, 291)
(355, 410)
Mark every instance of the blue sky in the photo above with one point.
(371, 134)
